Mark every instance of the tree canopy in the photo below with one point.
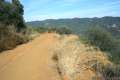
(12, 14)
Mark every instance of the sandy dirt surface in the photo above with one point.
(31, 61)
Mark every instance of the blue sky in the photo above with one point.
(54, 9)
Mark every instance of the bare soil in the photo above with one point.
(31, 61)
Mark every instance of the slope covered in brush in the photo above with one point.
(79, 25)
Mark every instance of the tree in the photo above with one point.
(12, 14)
(18, 6)
(2, 1)
(5, 9)
(18, 14)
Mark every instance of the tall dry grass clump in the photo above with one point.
(75, 61)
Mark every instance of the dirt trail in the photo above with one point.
(31, 61)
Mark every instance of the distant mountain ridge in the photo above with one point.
(79, 25)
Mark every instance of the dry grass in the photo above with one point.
(75, 61)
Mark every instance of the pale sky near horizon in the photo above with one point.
(54, 9)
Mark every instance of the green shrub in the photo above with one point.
(59, 30)
(64, 30)
(41, 29)
(103, 40)
(100, 38)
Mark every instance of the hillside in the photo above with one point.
(80, 25)
(33, 61)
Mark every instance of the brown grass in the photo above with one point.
(78, 62)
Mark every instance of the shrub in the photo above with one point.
(103, 40)
(9, 38)
(100, 38)
(59, 30)
(41, 29)
(65, 30)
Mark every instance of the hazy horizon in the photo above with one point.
(56, 9)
